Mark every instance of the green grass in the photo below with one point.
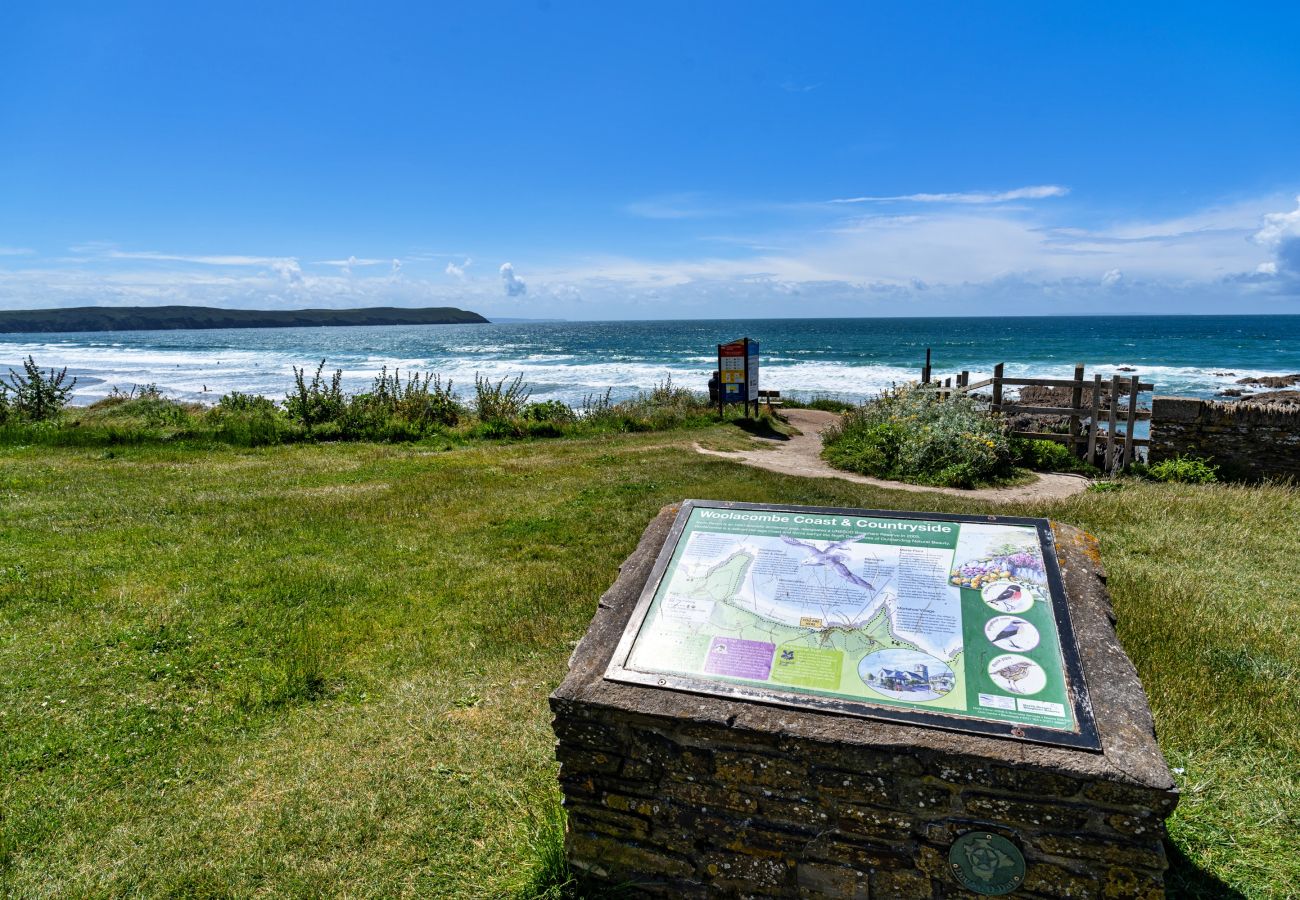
(314, 670)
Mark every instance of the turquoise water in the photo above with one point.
(849, 358)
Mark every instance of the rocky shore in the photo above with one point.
(1282, 397)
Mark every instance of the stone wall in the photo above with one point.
(680, 795)
(1246, 440)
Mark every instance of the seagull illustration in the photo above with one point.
(1013, 673)
(1008, 598)
(1013, 628)
(831, 558)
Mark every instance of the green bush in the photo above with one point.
(251, 420)
(1048, 456)
(553, 411)
(316, 402)
(908, 434)
(235, 402)
(500, 402)
(37, 396)
(1185, 470)
(422, 400)
(819, 401)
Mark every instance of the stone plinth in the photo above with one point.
(681, 795)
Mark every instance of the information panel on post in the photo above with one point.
(956, 622)
(738, 372)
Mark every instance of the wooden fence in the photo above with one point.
(1101, 413)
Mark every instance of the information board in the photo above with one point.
(732, 369)
(951, 621)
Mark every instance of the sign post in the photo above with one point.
(738, 374)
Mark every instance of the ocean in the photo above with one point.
(850, 359)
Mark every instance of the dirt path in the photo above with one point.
(801, 455)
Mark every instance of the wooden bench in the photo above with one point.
(771, 398)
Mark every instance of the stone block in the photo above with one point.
(702, 796)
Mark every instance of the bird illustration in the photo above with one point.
(831, 558)
(1009, 597)
(1012, 673)
(1009, 632)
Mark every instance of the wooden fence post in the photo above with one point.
(964, 379)
(996, 405)
(1076, 401)
(925, 372)
(1132, 417)
(1095, 424)
(1110, 426)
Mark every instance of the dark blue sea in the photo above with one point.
(846, 358)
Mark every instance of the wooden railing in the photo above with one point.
(1096, 412)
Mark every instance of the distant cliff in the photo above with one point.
(171, 318)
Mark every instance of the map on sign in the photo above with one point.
(880, 614)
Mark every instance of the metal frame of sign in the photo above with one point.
(1084, 736)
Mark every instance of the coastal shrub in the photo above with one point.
(597, 408)
(823, 402)
(251, 420)
(908, 434)
(6, 408)
(421, 399)
(1184, 470)
(1048, 456)
(664, 406)
(503, 401)
(316, 402)
(236, 402)
(37, 396)
(149, 391)
(554, 411)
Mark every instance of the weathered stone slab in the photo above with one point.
(681, 794)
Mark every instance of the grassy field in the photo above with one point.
(322, 670)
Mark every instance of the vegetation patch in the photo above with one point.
(913, 435)
(320, 669)
(397, 408)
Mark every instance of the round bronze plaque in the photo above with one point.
(986, 863)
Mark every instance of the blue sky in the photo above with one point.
(618, 160)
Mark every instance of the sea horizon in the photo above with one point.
(847, 358)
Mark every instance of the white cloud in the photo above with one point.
(15, 251)
(1034, 192)
(1279, 227)
(514, 285)
(1281, 235)
(934, 259)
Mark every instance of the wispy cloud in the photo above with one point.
(673, 206)
(1033, 192)
(458, 271)
(202, 259)
(352, 262)
(16, 251)
(930, 259)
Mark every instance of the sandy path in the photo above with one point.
(801, 455)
